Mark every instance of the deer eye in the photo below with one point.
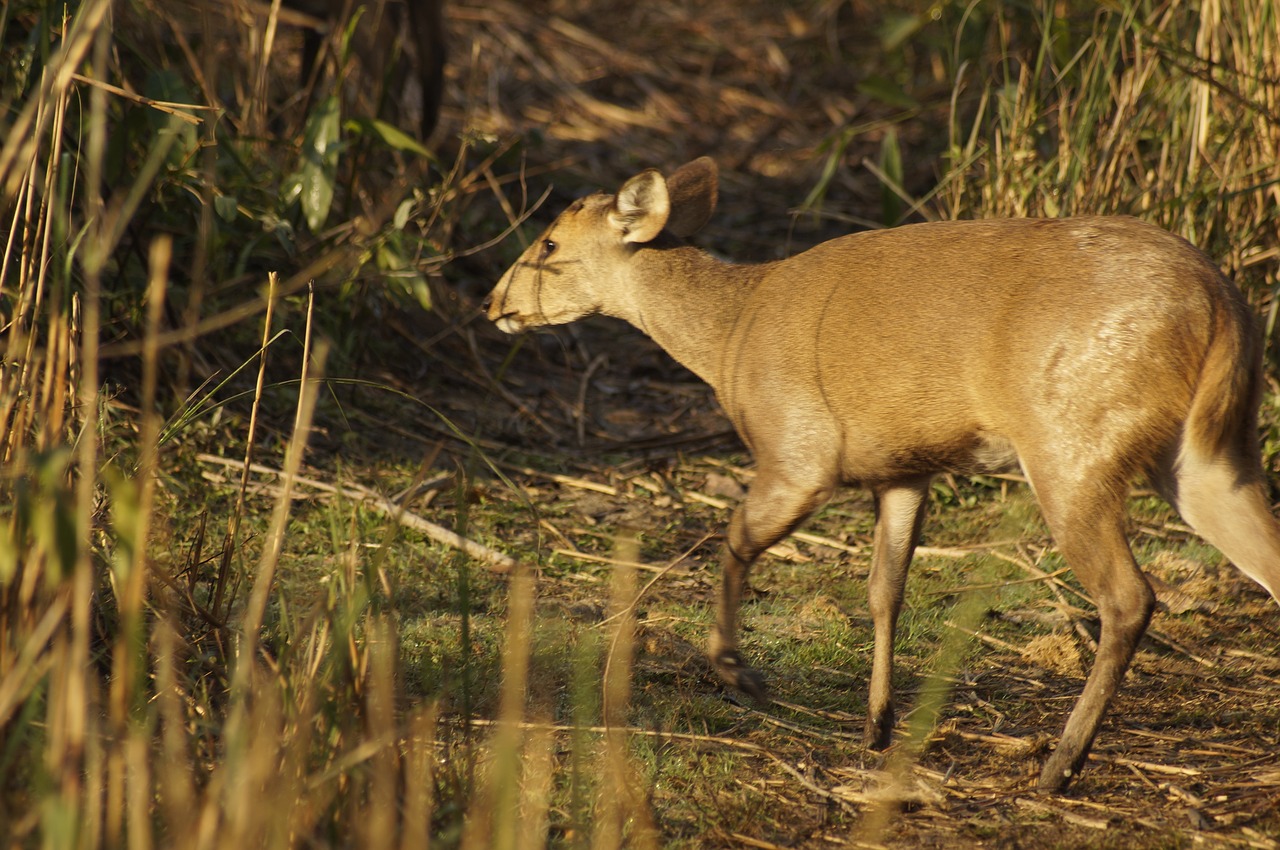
(548, 247)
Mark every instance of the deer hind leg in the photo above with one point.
(1223, 496)
(899, 514)
(772, 509)
(1087, 521)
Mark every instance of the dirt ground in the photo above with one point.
(1190, 754)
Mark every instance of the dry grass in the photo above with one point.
(191, 658)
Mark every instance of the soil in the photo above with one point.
(1190, 754)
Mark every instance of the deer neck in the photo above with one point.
(688, 302)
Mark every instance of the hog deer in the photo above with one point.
(1086, 351)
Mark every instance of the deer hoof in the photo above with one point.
(878, 733)
(1055, 778)
(1054, 782)
(734, 672)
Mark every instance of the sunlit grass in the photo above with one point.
(188, 660)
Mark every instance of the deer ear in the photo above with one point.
(692, 190)
(641, 208)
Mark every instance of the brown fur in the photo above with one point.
(1085, 350)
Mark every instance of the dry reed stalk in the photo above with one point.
(622, 812)
(535, 794)
(901, 783)
(21, 148)
(419, 791)
(268, 742)
(29, 235)
(177, 803)
(231, 542)
(132, 510)
(255, 610)
(512, 797)
(379, 826)
(261, 47)
(74, 755)
(1184, 137)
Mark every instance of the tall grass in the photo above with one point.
(138, 705)
(144, 700)
(147, 700)
(1167, 111)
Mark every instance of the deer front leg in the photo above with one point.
(899, 514)
(771, 510)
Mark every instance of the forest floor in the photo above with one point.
(554, 448)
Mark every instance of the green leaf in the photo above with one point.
(417, 286)
(125, 519)
(348, 35)
(9, 549)
(401, 217)
(319, 170)
(225, 207)
(51, 508)
(168, 85)
(891, 165)
(898, 27)
(887, 92)
(401, 273)
(397, 138)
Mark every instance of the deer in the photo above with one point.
(1084, 351)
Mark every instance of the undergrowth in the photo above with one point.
(198, 653)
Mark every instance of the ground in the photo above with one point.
(600, 437)
(559, 448)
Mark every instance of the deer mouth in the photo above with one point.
(508, 323)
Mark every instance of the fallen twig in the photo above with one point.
(491, 559)
(998, 585)
(802, 536)
(1066, 814)
(567, 480)
(604, 559)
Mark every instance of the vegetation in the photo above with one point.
(245, 401)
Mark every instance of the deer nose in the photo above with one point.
(487, 303)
